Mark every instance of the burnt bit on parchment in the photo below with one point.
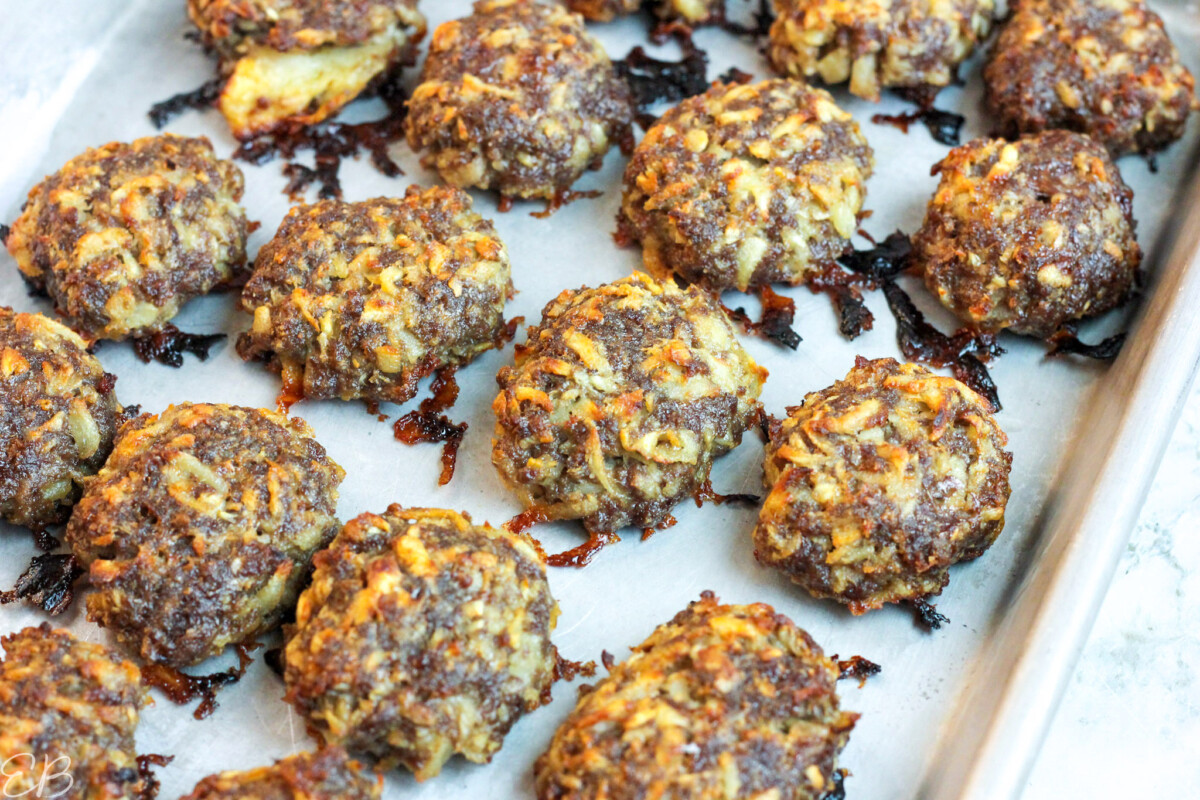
(706, 494)
(331, 144)
(429, 424)
(927, 615)
(944, 126)
(857, 668)
(837, 786)
(145, 771)
(567, 670)
(168, 346)
(1066, 342)
(561, 199)
(202, 97)
(760, 22)
(883, 261)
(854, 318)
(48, 583)
(181, 688)
(778, 315)
(652, 80)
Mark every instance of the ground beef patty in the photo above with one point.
(695, 12)
(422, 636)
(68, 711)
(1029, 235)
(881, 482)
(327, 774)
(125, 234)
(1102, 68)
(747, 185)
(362, 300)
(914, 46)
(721, 703)
(199, 530)
(519, 98)
(290, 63)
(620, 401)
(58, 414)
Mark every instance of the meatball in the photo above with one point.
(58, 414)
(881, 482)
(68, 712)
(290, 63)
(747, 185)
(362, 300)
(620, 401)
(519, 98)
(1029, 235)
(721, 703)
(199, 531)
(125, 234)
(422, 636)
(1106, 69)
(327, 774)
(913, 46)
(694, 12)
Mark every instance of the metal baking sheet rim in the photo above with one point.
(992, 737)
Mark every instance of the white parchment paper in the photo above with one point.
(79, 73)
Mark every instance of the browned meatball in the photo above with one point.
(747, 185)
(721, 703)
(914, 46)
(297, 62)
(397, 290)
(519, 98)
(422, 636)
(1029, 235)
(328, 774)
(58, 414)
(620, 402)
(125, 234)
(694, 12)
(68, 712)
(1106, 69)
(199, 531)
(878, 484)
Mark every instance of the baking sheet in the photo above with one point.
(78, 74)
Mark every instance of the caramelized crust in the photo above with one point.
(198, 532)
(125, 234)
(747, 185)
(878, 484)
(327, 774)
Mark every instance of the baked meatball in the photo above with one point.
(519, 98)
(199, 531)
(721, 703)
(362, 300)
(58, 414)
(1029, 235)
(290, 63)
(1106, 69)
(694, 12)
(422, 636)
(878, 484)
(327, 774)
(68, 712)
(913, 46)
(620, 401)
(747, 185)
(125, 234)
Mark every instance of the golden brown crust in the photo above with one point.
(1029, 235)
(58, 414)
(915, 45)
(620, 402)
(721, 703)
(68, 708)
(692, 12)
(198, 532)
(327, 774)
(231, 26)
(1102, 67)
(519, 98)
(422, 636)
(125, 234)
(878, 484)
(362, 300)
(747, 185)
